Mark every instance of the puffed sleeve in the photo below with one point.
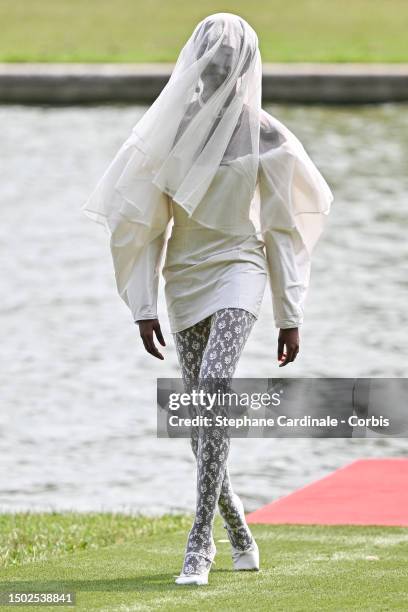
(294, 203)
(141, 290)
(288, 265)
(137, 216)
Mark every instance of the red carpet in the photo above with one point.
(365, 492)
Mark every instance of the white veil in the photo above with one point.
(207, 116)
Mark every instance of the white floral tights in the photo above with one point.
(209, 351)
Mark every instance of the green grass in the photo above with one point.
(115, 563)
(155, 30)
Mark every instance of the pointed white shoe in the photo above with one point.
(199, 578)
(246, 559)
(243, 559)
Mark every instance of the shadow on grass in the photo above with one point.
(155, 582)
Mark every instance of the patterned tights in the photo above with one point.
(206, 351)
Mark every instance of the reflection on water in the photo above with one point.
(77, 416)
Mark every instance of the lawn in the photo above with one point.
(118, 563)
(155, 30)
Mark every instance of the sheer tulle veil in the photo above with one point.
(209, 117)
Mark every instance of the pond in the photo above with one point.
(78, 391)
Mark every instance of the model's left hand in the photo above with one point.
(288, 338)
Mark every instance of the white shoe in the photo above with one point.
(243, 559)
(246, 559)
(200, 578)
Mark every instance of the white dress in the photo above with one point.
(206, 269)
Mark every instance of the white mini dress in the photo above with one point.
(220, 250)
(206, 269)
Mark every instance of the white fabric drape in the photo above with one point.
(209, 115)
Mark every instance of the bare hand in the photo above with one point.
(146, 328)
(290, 339)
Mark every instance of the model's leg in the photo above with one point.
(229, 331)
(231, 510)
(190, 346)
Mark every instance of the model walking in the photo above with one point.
(244, 203)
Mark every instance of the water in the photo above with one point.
(77, 416)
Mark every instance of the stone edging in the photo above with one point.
(298, 83)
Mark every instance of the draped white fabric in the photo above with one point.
(208, 116)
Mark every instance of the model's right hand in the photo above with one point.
(146, 328)
(288, 338)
